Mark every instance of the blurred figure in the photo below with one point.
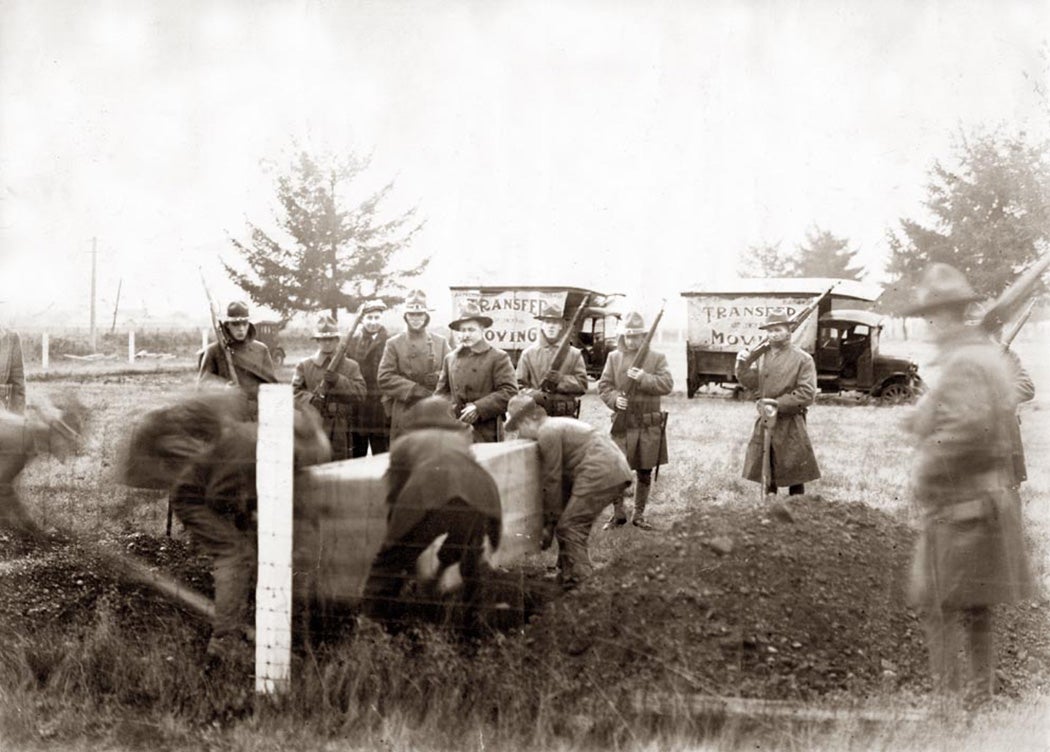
(215, 497)
(340, 390)
(970, 553)
(434, 487)
(370, 426)
(1024, 391)
(556, 389)
(582, 472)
(46, 428)
(411, 362)
(12, 372)
(784, 375)
(644, 442)
(251, 358)
(477, 377)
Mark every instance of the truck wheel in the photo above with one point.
(895, 393)
(278, 357)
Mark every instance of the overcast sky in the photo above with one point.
(632, 146)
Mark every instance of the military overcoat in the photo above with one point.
(251, 362)
(971, 549)
(408, 372)
(643, 442)
(339, 401)
(367, 350)
(533, 365)
(484, 376)
(790, 377)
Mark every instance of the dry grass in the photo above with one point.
(101, 686)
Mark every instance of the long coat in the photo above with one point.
(970, 550)
(790, 377)
(643, 443)
(533, 365)
(483, 376)
(12, 373)
(251, 362)
(339, 401)
(367, 349)
(408, 372)
(1024, 391)
(576, 460)
(430, 467)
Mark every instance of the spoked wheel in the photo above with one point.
(897, 393)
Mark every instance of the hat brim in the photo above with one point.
(559, 319)
(325, 335)
(767, 327)
(933, 305)
(417, 309)
(237, 320)
(633, 332)
(485, 321)
(515, 419)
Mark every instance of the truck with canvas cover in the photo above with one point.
(512, 309)
(843, 340)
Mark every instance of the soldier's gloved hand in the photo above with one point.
(550, 382)
(331, 378)
(621, 402)
(634, 373)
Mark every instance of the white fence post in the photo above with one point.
(44, 355)
(131, 345)
(273, 593)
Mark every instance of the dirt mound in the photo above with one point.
(794, 600)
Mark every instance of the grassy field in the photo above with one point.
(107, 676)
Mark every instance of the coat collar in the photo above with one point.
(319, 358)
(479, 349)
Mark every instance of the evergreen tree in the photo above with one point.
(334, 254)
(823, 254)
(765, 260)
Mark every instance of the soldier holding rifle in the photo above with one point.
(970, 554)
(478, 378)
(785, 379)
(236, 348)
(411, 362)
(332, 383)
(632, 382)
(552, 371)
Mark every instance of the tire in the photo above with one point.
(278, 357)
(896, 393)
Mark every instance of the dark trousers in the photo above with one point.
(796, 490)
(379, 440)
(395, 563)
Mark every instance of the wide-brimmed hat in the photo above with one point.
(775, 319)
(236, 312)
(632, 323)
(326, 328)
(372, 306)
(416, 302)
(550, 312)
(432, 412)
(470, 311)
(521, 406)
(941, 285)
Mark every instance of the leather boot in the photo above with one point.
(618, 518)
(641, 498)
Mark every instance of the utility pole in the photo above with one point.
(94, 265)
(113, 326)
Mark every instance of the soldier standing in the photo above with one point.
(554, 386)
(343, 389)
(12, 372)
(643, 441)
(582, 472)
(411, 362)
(251, 358)
(434, 487)
(784, 377)
(477, 377)
(371, 425)
(970, 553)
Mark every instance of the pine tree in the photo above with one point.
(765, 260)
(335, 255)
(823, 254)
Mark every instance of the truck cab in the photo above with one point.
(848, 359)
(512, 309)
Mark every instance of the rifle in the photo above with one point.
(563, 345)
(1014, 296)
(220, 333)
(1016, 328)
(620, 416)
(767, 411)
(793, 323)
(317, 394)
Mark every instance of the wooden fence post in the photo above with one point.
(131, 345)
(273, 593)
(44, 355)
